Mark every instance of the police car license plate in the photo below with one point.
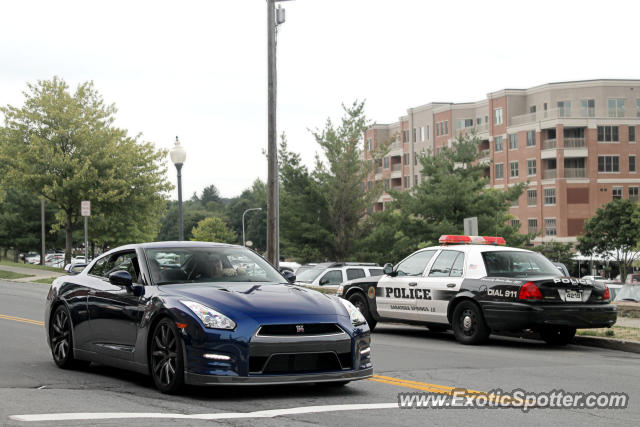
(573, 296)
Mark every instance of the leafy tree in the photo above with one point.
(255, 222)
(213, 229)
(615, 229)
(557, 252)
(453, 188)
(342, 176)
(210, 194)
(64, 147)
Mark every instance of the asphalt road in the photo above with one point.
(30, 383)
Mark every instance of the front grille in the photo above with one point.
(301, 363)
(295, 330)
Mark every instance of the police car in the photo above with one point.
(475, 285)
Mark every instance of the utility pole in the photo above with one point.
(274, 18)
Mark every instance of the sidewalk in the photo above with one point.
(35, 274)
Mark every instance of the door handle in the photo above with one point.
(451, 285)
(413, 284)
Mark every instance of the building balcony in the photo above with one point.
(549, 144)
(574, 143)
(549, 174)
(485, 153)
(575, 172)
(397, 167)
(483, 128)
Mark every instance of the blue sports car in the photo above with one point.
(203, 313)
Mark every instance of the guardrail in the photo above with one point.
(574, 143)
(575, 172)
(549, 174)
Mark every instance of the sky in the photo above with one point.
(198, 69)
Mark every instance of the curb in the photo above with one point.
(608, 343)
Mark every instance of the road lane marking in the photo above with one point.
(271, 413)
(442, 389)
(21, 319)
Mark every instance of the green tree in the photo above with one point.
(213, 229)
(614, 229)
(255, 221)
(557, 252)
(64, 147)
(453, 188)
(342, 176)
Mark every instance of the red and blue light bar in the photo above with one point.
(449, 239)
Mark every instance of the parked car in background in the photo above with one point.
(598, 279)
(563, 268)
(333, 274)
(288, 266)
(632, 279)
(54, 260)
(32, 258)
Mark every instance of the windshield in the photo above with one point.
(518, 264)
(209, 264)
(309, 275)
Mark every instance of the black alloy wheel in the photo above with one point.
(60, 336)
(559, 335)
(359, 302)
(167, 365)
(468, 324)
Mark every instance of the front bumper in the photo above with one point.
(198, 379)
(513, 316)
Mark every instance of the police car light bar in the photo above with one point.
(447, 239)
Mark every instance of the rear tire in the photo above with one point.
(166, 362)
(559, 335)
(468, 324)
(360, 302)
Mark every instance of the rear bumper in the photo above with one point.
(513, 316)
(198, 379)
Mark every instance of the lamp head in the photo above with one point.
(177, 153)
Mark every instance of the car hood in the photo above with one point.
(258, 300)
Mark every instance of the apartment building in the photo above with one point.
(574, 144)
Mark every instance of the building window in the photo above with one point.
(531, 167)
(632, 134)
(532, 197)
(499, 143)
(609, 164)
(549, 196)
(637, 107)
(531, 138)
(387, 183)
(550, 226)
(499, 170)
(633, 193)
(369, 144)
(465, 123)
(438, 129)
(415, 136)
(513, 169)
(588, 108)
(608, 134)
(416, 180)
(479, 121)
(616, 107)
(532, 226)
(532, 109)
(497, 114)
(406, 181)
(515, 223)
(428, 130)
(616, 193)
(422, 133)
(513, 141)
(564, 108)
(386, 162)
(486, 119)
(405, 158)
(446, 127)
(632, 163)
(415, 160)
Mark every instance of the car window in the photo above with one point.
(443, 265)
(518, 264)
(354, 273)
(127, 261)
(415, 264)
(376, 272)
(100, 267)
(333, 277)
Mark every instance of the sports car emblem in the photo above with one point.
(300, 329)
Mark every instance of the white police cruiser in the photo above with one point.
(475, 285)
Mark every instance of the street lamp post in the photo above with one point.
(243, 213)
(178, 156)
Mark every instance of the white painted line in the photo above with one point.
(78, 416)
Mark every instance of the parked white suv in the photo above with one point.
(333, 274)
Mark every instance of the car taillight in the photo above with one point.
(529, 291)
(606, 294)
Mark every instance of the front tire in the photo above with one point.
(61, 339)
(166, 361)
(360, 302)
(558, 335)
(468, 324)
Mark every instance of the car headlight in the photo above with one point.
(211, 318)
(354, 314)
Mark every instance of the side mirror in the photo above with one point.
(289, 276)
(324, 282)
(388, 270)
(121, 278)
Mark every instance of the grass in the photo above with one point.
(46, 280)
(12, 275)
(619, 332)
(34, 266)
